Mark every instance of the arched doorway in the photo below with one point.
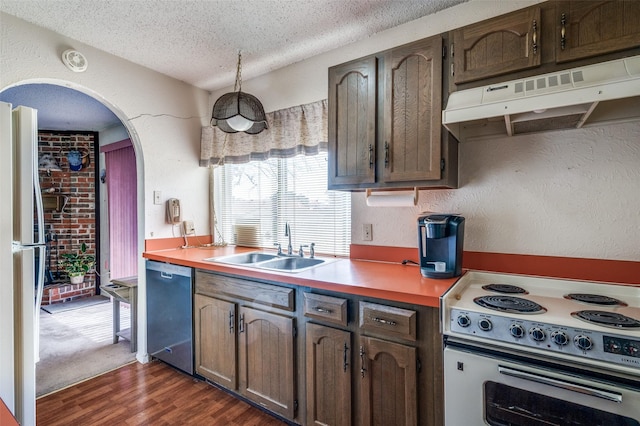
(71, 110)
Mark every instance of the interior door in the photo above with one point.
(121, 179)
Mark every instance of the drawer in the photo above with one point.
(260, 293)
(388, 320)
(325, 308)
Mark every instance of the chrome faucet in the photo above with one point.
(287, 233)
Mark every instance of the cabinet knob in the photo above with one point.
(534, 37)
(386, 154)
(563, 31)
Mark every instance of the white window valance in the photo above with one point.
(292, 131)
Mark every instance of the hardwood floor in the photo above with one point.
(146, 394)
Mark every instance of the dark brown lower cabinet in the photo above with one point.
(248, 351)
(266, 358)
(328, 352)
(357, 361)
(388, 383)
(215, 340)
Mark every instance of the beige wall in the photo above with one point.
(567, 193)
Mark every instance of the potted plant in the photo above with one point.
(77, 265)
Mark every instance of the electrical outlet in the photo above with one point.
(156, 197)
(188, 228)
(367, 232)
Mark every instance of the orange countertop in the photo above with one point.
(382, 280)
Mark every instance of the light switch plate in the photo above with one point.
(157, 195)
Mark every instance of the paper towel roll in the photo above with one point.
(392, 200)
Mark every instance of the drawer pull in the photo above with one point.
(322, 310)
(385, 322)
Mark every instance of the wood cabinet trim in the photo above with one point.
(255, 292)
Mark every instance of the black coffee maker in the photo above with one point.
(440, 241)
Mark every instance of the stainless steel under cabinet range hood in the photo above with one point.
(607, 92)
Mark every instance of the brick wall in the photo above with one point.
(76, 223)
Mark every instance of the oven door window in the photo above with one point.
(510, 406)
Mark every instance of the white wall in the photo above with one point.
(163, 117)
(168, 146)
(568, 193)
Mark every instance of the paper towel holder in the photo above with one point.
(415, 195)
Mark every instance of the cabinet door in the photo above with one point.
(590, 28)
(267, 363)
(352, 122)
(412, 112)
(215, 340)
(497, 46)
(389, 383)
(328, 376)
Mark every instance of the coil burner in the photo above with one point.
(595, 299)
(505, 288)
(512, 304)
(607, 319)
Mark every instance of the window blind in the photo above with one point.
(253, 201)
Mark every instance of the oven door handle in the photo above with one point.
(574, 387)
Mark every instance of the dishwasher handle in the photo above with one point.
(562, 384)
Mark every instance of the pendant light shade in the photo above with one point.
(238, 111)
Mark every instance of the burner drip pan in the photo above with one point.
(505, 288)
(511, 304)
(595, 299)
(607, 319)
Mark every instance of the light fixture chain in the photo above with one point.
(238, 85)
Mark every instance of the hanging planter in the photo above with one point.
(75, 160)
(78, 159)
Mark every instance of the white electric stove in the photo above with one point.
(550, 350)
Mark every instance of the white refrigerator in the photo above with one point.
(22, 254)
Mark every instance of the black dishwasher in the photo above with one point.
(169, 314)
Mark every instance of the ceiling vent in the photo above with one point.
(74, 60)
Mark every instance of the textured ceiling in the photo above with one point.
(197, 41)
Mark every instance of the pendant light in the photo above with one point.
(238, 111)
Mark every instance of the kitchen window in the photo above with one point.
(254, 200)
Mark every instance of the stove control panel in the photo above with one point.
(528, 332)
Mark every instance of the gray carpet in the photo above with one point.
(80, 303)
(77, 344)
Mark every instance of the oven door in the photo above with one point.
(490, 388)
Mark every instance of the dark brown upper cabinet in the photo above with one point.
(412, 112)
(591, 28)
(497, 46)
(352, 122)
(385, 125)
(544, 38)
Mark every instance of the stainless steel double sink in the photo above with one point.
(270, 261)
